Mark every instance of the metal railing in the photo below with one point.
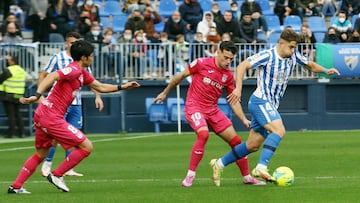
(153, 61)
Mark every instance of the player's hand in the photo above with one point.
(246, 123)
(333, 71)
(234, 97)
(99, 104)
(28, 100)
(160, 98)
(130, 85)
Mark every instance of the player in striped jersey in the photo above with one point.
(275, 67)
(74, 114)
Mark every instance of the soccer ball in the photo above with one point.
(284, 176)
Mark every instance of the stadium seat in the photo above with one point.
(205, 5)
(119, 22)
(319, 36)
(273, 23)
(353, 20)
(274, 38)
(159, 27)
(156, 113)
(173, 100)
(317, 24)
(105, 22)
(112, 8)
(332, 19)
(293, 21)
(265, 7)
(56, 38)
(167, 8)
(225, 107)
(223, 6)
(174, 112)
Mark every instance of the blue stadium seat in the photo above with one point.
(223, 6)
(105, 22)
(56, 38)
(225, 107)
(353, 20)
(167, 8)
(294, 21)
(265, 7)
(274, 37)
(319, 36)
(173, 100)
(119, 22)
(205, 5)
(112, 8)
(332, 19)
(174, 112)
(159, 27)
(317, 24)
(273, 23)
(156, 113)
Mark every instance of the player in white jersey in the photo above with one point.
(74, 114)
(274, 66)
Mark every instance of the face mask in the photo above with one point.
(176, 21)
(341, 20)
(332, 36)
(139, 39)
(127, 37)
(163, 39)
(215, 10)
(212, 33)
(95, 32)
(108, 36)
(89, 3)
(356, 39)
(137, 18)
(234, 8)
(251, 0)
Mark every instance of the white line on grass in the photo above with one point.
(100, 140)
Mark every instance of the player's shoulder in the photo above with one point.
(200, 61)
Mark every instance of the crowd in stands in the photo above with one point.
(201, 22)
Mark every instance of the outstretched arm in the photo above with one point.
(314, 67)
(173, 83)
(106, 88)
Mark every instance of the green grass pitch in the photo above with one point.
(148, 167)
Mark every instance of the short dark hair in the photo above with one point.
(75, 35)
(228, 46)
(289, 35)
(81, 48)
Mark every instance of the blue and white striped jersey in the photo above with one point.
(60, 61)
(273, 73)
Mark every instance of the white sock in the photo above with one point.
(261, 166)
(191, 173)
(247, 177)
(220, 164)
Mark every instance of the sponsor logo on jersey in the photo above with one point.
(66, 71)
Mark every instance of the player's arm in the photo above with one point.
(42, 75)
(173, 83)
(235, 96)
(106, 88)
(42, 87)
(99, 104)
(238, 111)
(316, 68)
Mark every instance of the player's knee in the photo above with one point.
(87, 146)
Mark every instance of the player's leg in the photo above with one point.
(46, 166)
(198, 123)
(74, 117)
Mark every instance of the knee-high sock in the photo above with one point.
(71, 161)
(27, 170)
(50, 156)
(242, 163)
(270, 145)
(198, 149)
(239, 151)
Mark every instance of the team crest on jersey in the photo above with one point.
(224, 78)
(81, 79)
(66, 70)
(289, 62)
(193, 63)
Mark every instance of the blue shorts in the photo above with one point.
(74, 116)
(262, 112)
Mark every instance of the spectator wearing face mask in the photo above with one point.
(342, 25)
(109, 49)
(205, 25)
(151, 17)
(214, 39)
(136, 22)
(92, 10)
(175, 26)
(10, 35)
(215, 11)
(125, 46)
(94, 35)
(331, 36)
(354, 37)
(234, 7)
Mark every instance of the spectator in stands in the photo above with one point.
(58, 21)
(138, 54)
(213, 38)
(11, 18)
(229, 25)
(71, 12)
(284, 8)
(352, 7)
(12, 88)
(307, 8)
(225, 37)
(5, 5)
(328, 7)
(83, 24)
(94, 35)
(136, 22)
(10, 35)
(198, 46)
(307, 42)
(125, 50)
(215, 11)
(109, 50)
(93, 10)
(151, 17)
(131, 5)
(342, 25)
(357, 25)
(205, 25)
(175, 26)
(234, 7)
(18, 12)
(354, 37)
(256, 14)
(192, 13)
(37, 20)
(182, 51)
(163, 54)
(248, 31)
(331, 36)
